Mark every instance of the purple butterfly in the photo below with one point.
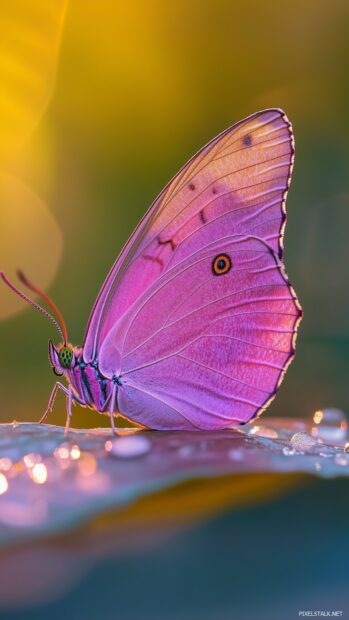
(196, 323)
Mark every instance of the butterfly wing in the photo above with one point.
(205, 349)
(235, 184)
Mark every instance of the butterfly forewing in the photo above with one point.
(235, 185)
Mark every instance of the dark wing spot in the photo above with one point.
(191, 186)
(155, 259)
(203, 217)
(247, 140)
(214, 191)
(221, 264)
(170, 241)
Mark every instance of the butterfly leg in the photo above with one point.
(111, 408)
(57, 386)
(69, 393)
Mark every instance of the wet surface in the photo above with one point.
(49, 483)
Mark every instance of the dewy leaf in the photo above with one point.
(90, 474)
(30, 34)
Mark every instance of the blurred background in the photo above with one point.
(100, 104)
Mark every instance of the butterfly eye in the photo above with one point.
(221, 264)
(65, 357)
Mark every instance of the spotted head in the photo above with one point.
(61, 358)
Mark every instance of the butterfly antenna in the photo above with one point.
(60, 324)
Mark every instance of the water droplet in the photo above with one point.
(128, 447)
(302, 441)
(346, 447)
(3, 484)
(39, 473)
(287, 451)
(318, 466)
(62, 452)
(5, 464)
(331, 425)
(14, 423)
(31, 459)
(75, 452)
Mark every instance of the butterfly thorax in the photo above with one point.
(93, 388)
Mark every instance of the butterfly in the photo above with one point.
(196, 323)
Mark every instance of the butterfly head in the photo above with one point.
(61, 358)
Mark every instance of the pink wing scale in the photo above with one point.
(242, 175)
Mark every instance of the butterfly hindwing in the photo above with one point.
(207, 344)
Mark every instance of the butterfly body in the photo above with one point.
(196, 322)
(90, 387)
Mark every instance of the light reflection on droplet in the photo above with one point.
(3, 484)
(254, 430)
(128, 447)
(39, 473)
(287, 451)
(108, 445)
(318, 416)
(14, 423)
(331, 426)
(75, 452)
(62, 452)
(31, 459)
(302, 441)
(264, 431)
(346, 447)
(5, 464)
(318, 466)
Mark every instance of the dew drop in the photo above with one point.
(30, 460)
(287, 451)
(39, 473)
(302, 441)
(75, 452)
(330, 425)
(6, 463)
